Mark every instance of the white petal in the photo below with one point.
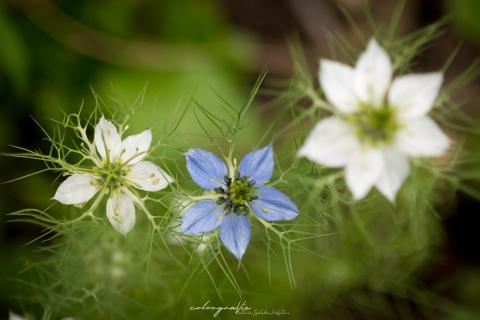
(14, 316)
(77, 189)
(330, 143)
(394, 173)
(414, 95)
(373, 73)
(121, 212)
(134, 148)
(363, 170)
(421, 137)
(337, 82)
(107, 139)
(147, 176)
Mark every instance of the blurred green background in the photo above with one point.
(53, 52)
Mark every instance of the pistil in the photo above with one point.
(236, 194)
(375, 125)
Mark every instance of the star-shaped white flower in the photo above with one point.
(378, 123)
(119, 166)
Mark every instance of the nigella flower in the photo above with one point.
(119, 166)
(235, 194)
(378, 124)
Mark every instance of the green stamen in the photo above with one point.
(237, 194)
(375, 125)
(111, 176)
(112, 171)
(240, 192)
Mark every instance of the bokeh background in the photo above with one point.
(52, 53)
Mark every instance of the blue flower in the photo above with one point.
(235, 195)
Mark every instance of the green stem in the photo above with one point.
(205, 197)
(269, 226)
(91, 147)
(230, 166)
(139, 202)
(317, 102)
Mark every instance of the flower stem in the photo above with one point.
(269, 226)
(139, 202)
(230, 166)
(317, 102)
(205, 197)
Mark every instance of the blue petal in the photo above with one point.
(235, 234)
(205, 168)
(273, 205)
(258, 165)
(202, 217)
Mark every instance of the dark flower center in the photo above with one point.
(236, 194)
(375, 125)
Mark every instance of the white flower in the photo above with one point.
(379, 123)
(14, 316)
(119, 166)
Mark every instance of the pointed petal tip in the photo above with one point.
(192, 152)
(327, 61)
(375, 46)
(357, 196)
(439, 74)
(58, 198)
(147, 132)
(391, 198)
(239, 256)
(301, 153)
(373, 42)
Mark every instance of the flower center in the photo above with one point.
(112, 174)
(375, 125)
(236, 194)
